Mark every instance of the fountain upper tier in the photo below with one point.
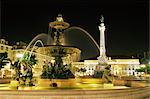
(59, 23)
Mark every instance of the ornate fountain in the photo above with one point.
(56, 72)
(57, 58)
(60, 56)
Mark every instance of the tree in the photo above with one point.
(148, 68)
(16, 67)
(145, 69)
(29, 59)
(26, 74)
(142, 69)
(3, 59)
(145, 60)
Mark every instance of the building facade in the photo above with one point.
(119, 67)
(4, 47)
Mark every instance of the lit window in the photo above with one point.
(133, 73)
(2, 47)
(132, 68)
(6, 48)
(129, 69)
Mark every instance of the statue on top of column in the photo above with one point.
(102, 19)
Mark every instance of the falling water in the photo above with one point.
(41, 36)
(78, 37)
(74, 27)
(38, 41)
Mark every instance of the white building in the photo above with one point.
(119, 67)
(4, 47)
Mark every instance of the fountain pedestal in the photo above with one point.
(14, 84)
(108, 85)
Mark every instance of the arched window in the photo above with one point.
(2, 47)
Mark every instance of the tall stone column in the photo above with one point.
(102, 58)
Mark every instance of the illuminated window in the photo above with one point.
(2, 47)
(129, 69)
(133, 73)
(6, 48)
(133, 68)
(2, 42)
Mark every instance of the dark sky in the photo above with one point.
(127, 23)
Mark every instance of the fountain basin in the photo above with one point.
(128, 93)
(53, 51)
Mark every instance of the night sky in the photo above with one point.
(127, 23)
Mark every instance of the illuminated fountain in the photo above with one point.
(54, 69)
(57, 57)
(61, 56)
